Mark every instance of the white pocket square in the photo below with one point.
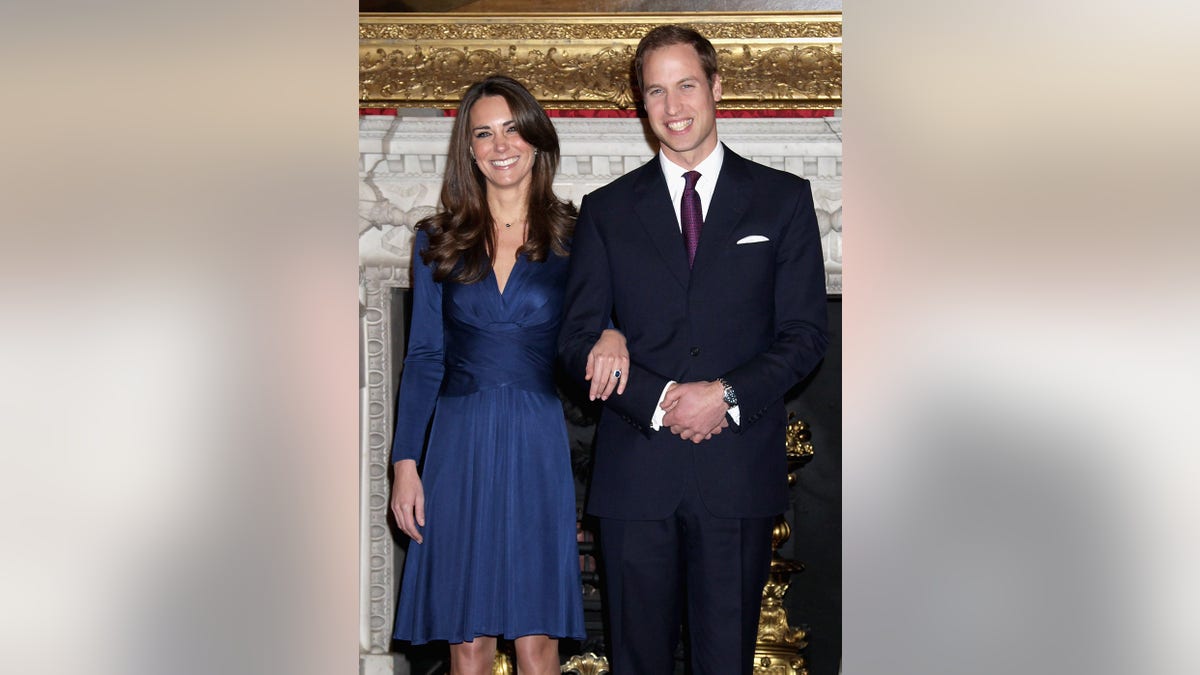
(752, 239)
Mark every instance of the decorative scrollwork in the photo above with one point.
(502, 664)
(767, 61)
(798, 440)
(773, 626)
(375, 27)
(586, 664)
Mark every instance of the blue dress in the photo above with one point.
(499, 555)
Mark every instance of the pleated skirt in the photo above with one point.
(500, 555)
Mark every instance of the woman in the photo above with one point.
(492, 513)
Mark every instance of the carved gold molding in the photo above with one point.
(775, 60)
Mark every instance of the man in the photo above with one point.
(717, 281)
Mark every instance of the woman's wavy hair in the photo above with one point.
(461, 241)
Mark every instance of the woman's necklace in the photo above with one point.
(508, 223)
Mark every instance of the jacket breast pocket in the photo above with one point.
(753, 250)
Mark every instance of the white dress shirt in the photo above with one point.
(709, 168)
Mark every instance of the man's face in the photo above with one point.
(680, 103)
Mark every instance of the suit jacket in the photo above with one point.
(753, 313)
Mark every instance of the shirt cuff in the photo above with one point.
(657, 418)
(735, 414)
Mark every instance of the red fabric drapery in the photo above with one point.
(450, 112)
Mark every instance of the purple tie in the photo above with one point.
(691, 214)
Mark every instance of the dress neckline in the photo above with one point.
(511, 274)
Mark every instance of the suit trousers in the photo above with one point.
(714, 569)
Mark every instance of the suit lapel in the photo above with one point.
(729, 203)
(654, 208)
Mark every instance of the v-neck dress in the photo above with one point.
(499, 555)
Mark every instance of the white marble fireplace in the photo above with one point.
(401, 162)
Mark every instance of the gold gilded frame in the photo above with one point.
(770, 60)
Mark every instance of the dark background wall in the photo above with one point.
(815, 597)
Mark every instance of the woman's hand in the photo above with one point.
(607, 365)
(408, 499)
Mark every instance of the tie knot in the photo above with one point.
(689, 180)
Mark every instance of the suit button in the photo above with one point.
(695, 351)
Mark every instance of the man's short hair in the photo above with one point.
(670, 34)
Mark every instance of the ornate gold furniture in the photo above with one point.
(779, 647)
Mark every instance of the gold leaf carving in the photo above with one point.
(380, 27)
(767, 60)
(586, 664)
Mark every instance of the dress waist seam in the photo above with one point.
(463, 389)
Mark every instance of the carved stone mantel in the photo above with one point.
(402, 160)
(401, 165)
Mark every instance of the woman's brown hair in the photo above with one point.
(461, 241)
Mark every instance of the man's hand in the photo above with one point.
(408, 499)
(695, 410)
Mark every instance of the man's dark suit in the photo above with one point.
(753, 313)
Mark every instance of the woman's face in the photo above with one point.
(505, 159)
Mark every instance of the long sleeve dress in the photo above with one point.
(499, 555)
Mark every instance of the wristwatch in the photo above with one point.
(730, 394)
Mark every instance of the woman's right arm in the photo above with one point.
(408, 499)
(419, 384)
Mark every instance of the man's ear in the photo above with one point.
(716, 88)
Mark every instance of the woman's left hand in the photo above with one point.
(607, 365)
